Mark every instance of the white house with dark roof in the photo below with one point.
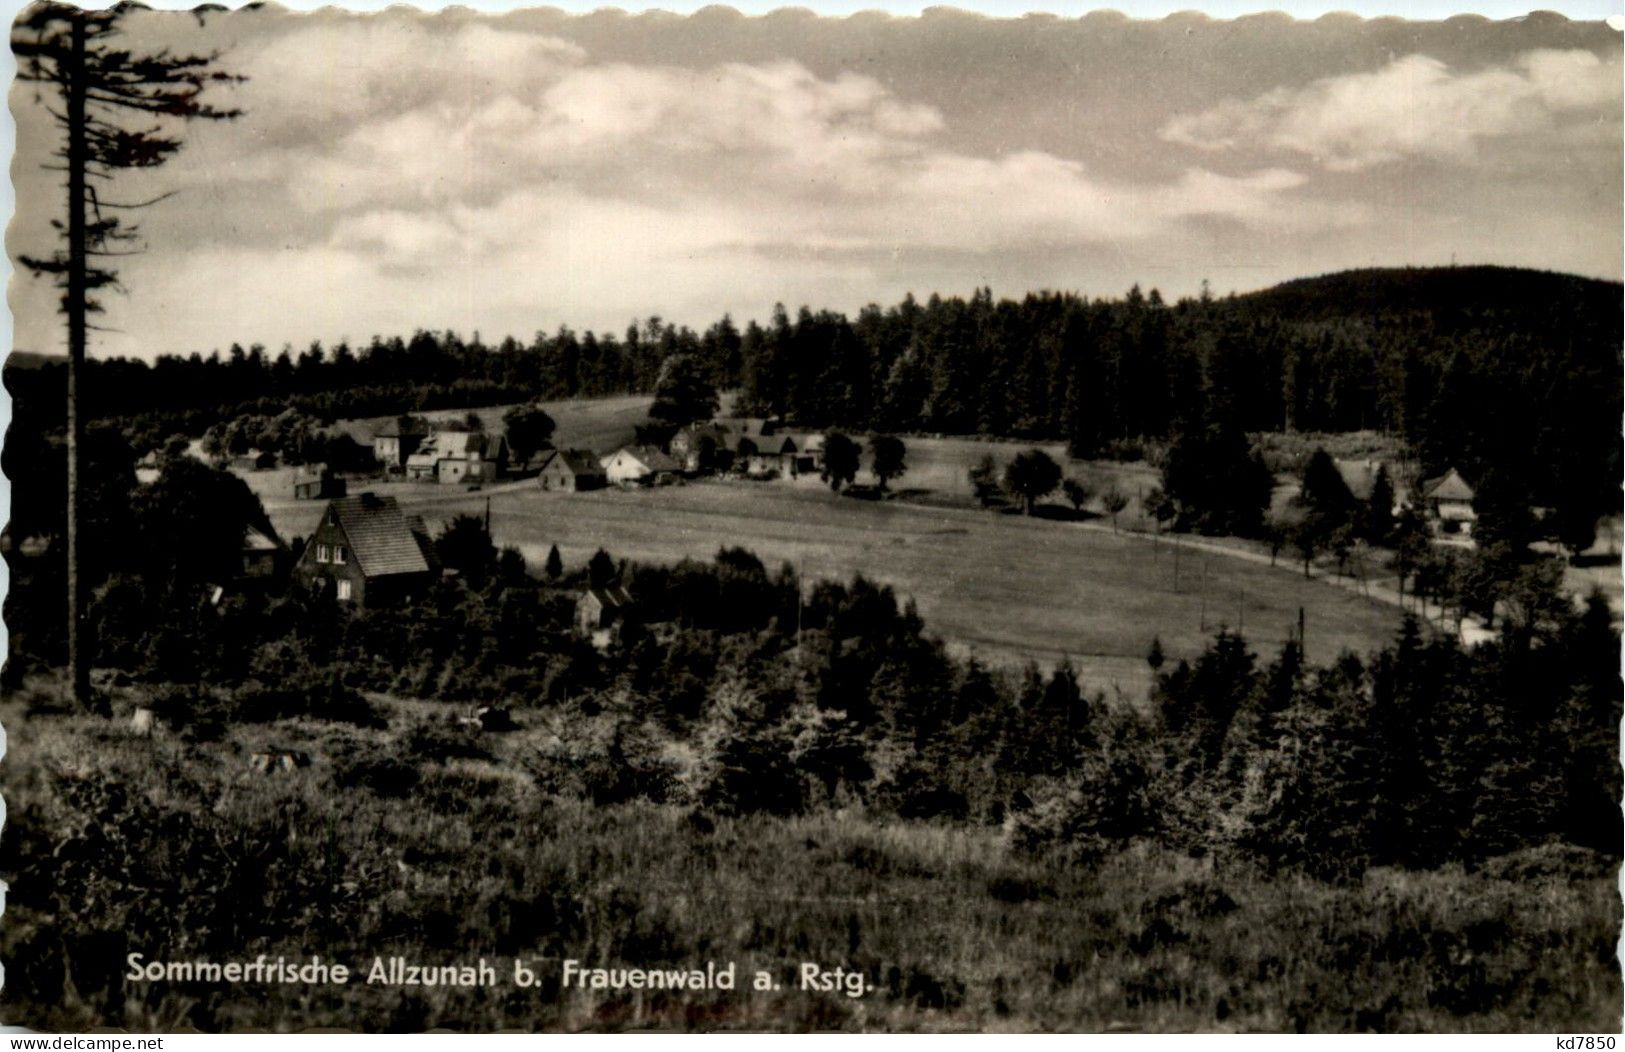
(459, 456)
(638, 464)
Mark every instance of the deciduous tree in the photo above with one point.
(841, 457)
(887, 464)
(1032, 476)
(529, 430)
(1113, 501)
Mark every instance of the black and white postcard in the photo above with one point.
(640, 521)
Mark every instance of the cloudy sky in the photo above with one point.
(507, 174)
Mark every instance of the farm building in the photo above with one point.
(700, 447)
(368, 551)
(755, 427)
(808, 456)
(639, 465)
(262, 552)
(570, 470)
(254, 460)
(1449, 500)
(317, 482)
(392, 448)
(782, 454)
(598, 608)
(459, 456)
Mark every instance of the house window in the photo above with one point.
(324, 554)
(344, 589)
(338, 554)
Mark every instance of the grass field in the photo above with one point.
(600, 424)
(1005, 587)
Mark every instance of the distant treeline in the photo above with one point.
(1474, 367)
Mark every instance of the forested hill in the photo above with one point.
(1482, 368)
(1439, 291)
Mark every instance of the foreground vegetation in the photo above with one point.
(121, 844)
(768, 773)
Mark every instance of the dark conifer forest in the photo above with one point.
(1472, 366)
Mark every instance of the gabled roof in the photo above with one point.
(611, 596)
(382, 539)
(1449, 486)
(575, 461)
(702, 429)
(420, 533)
(651, 458)
(256, 540)
(461, 444)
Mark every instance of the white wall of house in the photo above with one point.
(622, 466)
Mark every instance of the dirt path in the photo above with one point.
(1472, 631)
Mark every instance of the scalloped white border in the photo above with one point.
(1219, 10)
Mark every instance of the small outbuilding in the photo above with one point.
(1449, 499)
(599, 608)
(570, 471)
(317, 482)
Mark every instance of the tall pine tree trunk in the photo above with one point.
(78, 157)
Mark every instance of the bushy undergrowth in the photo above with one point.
(178, 851)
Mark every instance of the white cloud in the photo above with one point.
(329, 72)
(1416, 106)
(739, 158)
(397, 171)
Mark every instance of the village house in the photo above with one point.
(317, 482)
(600, 613)
(783, 455)
(451, 457)
(1449, 501)
(254, 460)
(808, 456)
(700, 446)
(262, 552)
(755, 427)
(570, 470)
(392, 448)
(638, 465)
(368, 552)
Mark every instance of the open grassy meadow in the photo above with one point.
(952, 926)
(600, 424)
(1005, 587)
